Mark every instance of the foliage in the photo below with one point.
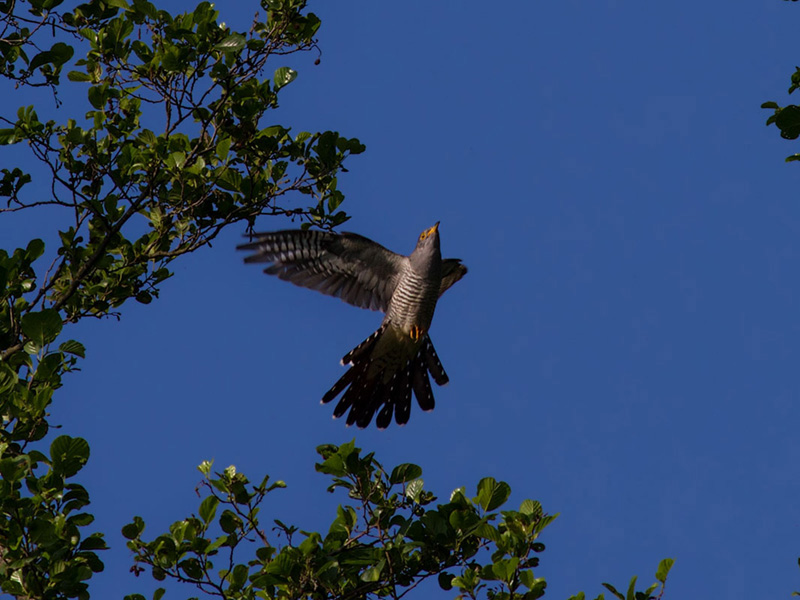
(42, 554)
(787, 118)
(631, 594)
(171, 150)
(385, 540)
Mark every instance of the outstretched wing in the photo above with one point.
(346, 266)
(452, 271)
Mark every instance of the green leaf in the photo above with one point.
(68, 455)
(414, 489)
(34, 249)
(223, 147)
(491, 493)
(61, 53)
(530, 507)
(664, 566)
(176, 160)
(41, 59)
(538, 588)
(81, 519)
(788, 121)
(8, 136)
(373, 573)
(283, 76)
(144, 297)
(770, 105)
(73, 347)
(614, 591)
(631, 595)
(97, 95)
(405, 473)
(8, 378)
(133, 530)
(159, 593)
(94, 542)
(464, 520)
(208, 508)
(232, 43)
(239, 576)
(192, 568)
(505, 569)
(229, 522)
(446, 581)
(527, 578)
(42, 327)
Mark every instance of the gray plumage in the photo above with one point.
(396, 359)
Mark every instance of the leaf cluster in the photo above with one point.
(656, 588)
(386, 539)
(172, 148)
(786, 118)
(43, 553)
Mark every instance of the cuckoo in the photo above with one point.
(398, 358)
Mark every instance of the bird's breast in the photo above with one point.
(413, 303)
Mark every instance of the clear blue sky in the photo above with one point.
(624, 348)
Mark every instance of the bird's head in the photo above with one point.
(427, 251)
(429, 237)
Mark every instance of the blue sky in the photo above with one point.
(624, 348)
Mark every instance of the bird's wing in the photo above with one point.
(452, 271)
(346, 266)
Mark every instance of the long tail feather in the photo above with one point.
(367, 393)
(433, 362)
(422, 387)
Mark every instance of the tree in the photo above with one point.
(173, 144)
(787, 118)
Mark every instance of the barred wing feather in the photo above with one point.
(347, 266)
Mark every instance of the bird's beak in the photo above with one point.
(429, 232)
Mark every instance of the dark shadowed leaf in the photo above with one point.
(68, 455)
(446, 581)
(405, 473)
(788, 121)
(614, 591)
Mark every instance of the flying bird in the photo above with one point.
(399, 356)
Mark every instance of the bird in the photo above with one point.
(398, 357)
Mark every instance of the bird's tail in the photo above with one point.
(367, 390)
